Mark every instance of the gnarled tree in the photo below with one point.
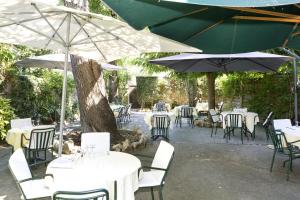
(95, 113)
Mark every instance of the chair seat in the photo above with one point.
(35, 189)
(151, 178)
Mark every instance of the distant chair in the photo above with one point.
(267, 123)
(186, 112)
(98, 142)
(215, 120)
(155, 178)
(240, 110)
(280, 124)
(220, 107)
(282, 146)
(30, 187)
(159, 107)
(127, 113)
(160, 126)
(232, 122)
(21, 123)
(86, 195)
(120, 116)
(41, 140)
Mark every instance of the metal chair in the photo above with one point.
(159, 107)
(120, 117)
(155, 178)
(160, 126)
(98, 194)
(232, 122)
(30, 187)
(215, 120)
(186, 113)
(41, 140)
(98, 142)
(282, 146)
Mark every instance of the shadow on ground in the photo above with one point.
(204, 168)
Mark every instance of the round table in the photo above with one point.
(96, 171)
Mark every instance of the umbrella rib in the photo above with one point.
(43, 16)
(53, 35)
(35, 31)
(117, 37)
(85, 31)
(181, 16)
(190, 66)
(81, 27)
(87, 42)
(263, 65)
(204, 30)
(26, 20)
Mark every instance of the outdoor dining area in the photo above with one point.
(131, 99)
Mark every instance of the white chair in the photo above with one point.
(21, 123)
(30, 187)
(98, 142)
(280, 124)
(155, 178)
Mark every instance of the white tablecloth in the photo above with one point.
(203, 106)
(292, 133)
(14, 135)
(251, 119)
(149, 115)
(96, 171)
(176, 111)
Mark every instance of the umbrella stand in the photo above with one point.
(63, 101)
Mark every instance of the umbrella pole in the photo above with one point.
(63, 100)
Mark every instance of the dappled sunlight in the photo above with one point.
(95, 94)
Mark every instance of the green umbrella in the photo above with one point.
(215, 29)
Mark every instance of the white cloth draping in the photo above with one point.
(96, 171)
(250, 118)
(149, 118)
(203, 106)
(292, 133)
(14, 135)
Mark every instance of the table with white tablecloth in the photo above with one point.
(292, 133)
(14, 135)
(96, 171)
(176, 111)
(250, 119)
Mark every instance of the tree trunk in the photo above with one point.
(211, 90)
(95, 113)
(192, 91)
(113, 83)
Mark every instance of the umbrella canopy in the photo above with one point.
(57, 61)
(215, 29)
(253, 61)
(238, 3)
(71, 31)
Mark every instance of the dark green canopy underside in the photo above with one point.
(211, 29)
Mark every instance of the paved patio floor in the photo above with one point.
(205, 168)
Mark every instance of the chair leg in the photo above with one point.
(160, 194)
(152, 193)
(289, 168)
(212, 130)
(242, 136)
(272, 163)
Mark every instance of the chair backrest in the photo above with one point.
(214, 115)
(268, 120)
(278, 138)
(160, 121)
(234, 120)
(121, 112)
(41, 138)
(280, 124)
(98, 142)
(240, 110)
(18, 165)
(221, 107)
(85, 195)
(21, 123)
(186, 112)
(160, 106)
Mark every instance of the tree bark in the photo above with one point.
(192, 91)
(113, 83)
(211, 90)
(95, 113)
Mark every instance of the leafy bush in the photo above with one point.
(6, 114)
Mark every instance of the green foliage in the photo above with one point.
(146, 90)
(97, 6)
(6, 114)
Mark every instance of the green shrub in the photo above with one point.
(6, 114)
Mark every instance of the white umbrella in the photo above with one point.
(71, 31)
(57, 61)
